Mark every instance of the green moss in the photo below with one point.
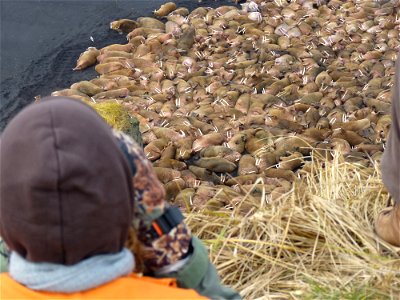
(118, 117)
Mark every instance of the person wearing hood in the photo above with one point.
(71, 192)
(387, 224)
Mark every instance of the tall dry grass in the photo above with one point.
(316, 241)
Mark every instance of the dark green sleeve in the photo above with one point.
(199, 274)
(4, 257)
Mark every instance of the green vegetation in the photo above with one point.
(118, 117)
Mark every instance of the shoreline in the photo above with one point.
(41, 41)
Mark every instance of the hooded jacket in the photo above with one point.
(63, 200)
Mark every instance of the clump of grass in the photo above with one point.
(358, 293)
(114, 114)
(315, 242)
(118, 117)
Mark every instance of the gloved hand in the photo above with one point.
(4, 256)
(158, 250)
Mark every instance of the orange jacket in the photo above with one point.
(129, 287)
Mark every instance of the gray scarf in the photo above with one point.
(87, 274)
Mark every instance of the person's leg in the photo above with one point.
(387, 225)
(390, 161)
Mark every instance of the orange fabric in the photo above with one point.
(129, 287)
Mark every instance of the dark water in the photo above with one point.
(41, 40)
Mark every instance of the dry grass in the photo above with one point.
(315, 242)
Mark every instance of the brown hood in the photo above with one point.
(65, 188)
(391, 158)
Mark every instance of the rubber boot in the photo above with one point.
(387, 225)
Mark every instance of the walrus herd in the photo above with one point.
(235, 100)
